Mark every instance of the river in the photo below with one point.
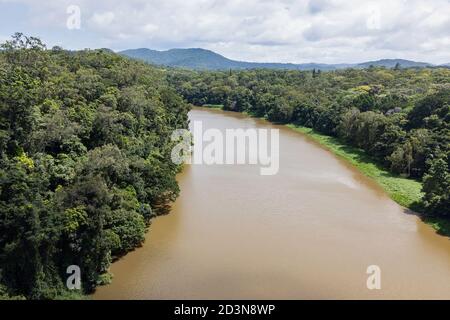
(309, 232)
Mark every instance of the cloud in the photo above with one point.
(317, 6)
(103, 20)
(256, 30)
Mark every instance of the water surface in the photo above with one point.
(309, 232)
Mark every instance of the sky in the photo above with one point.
(297, 31)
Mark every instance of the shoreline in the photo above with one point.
(404, 191)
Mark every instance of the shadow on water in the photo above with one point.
(440, 225)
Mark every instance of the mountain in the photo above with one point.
(391, 63)
(202, 59)
(197, 58)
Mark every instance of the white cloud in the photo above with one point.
(103, 20)
(260, 30)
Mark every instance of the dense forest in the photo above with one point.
(85, 146)
(400, 117)
(84, 162)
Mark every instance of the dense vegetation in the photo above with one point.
(84, 162)
(398, 117)
(85, 146)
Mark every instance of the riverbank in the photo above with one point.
(275, 237)
(406, 192)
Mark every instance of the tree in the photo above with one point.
(436, 186)
(280, 111)
(436, 103)
(402, 158)
(84, 162)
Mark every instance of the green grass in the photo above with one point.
(213, 106)
(404, 191)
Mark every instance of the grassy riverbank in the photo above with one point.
(406, 192)
(214, 106)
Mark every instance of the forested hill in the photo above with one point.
(201, 59)
(84, 162)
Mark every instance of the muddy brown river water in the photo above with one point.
(309, 232)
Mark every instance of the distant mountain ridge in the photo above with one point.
(202, 59)
(391, 63)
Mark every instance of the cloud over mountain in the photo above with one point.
(328, 31)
